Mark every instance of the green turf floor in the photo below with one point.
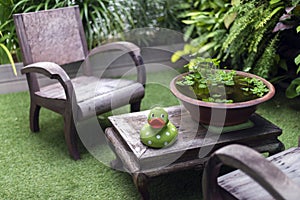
(37, 166)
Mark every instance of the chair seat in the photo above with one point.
(241, 186)
(96, 95)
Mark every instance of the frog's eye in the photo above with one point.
(152, 115)
(162, 115)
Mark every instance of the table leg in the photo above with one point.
(117, 163)
(280, 147)
(141, 182)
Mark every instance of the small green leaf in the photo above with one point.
(298, 29)
(235, 2)
(202, 86)
(229, 19)
(293, 90)
(176, 56)
(189, 21)
(10, 58)
(298, 89)
(188, 32)
(297, 60)
(274, 2)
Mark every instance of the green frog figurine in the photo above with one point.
(159, 132)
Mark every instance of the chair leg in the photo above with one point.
(34, 117)
(71, 137)
(135, 107)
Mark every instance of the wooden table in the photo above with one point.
(191, 150)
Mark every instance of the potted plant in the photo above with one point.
(217, 96)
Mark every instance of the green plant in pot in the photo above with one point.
(217, 96)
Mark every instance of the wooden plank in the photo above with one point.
(243, 187)
(122, 151)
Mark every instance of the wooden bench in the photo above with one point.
(277, 177)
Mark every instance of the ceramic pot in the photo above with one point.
(221, 114)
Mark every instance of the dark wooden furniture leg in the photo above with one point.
(141, 182)
(278, 149)
(71, 137)
(135, 107)
(116, 163)
(34, 117)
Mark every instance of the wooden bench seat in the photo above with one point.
(242, 186)
(277, 177)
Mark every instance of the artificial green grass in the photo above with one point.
(37, 166)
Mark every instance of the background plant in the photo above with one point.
(289, 50)
(102, 19)
(254, 36)
(205, 25)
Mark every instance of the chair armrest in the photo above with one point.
(254, 165)
(49, 69)
(133, 50)
(53, 71)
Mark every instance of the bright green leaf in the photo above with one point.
(298, 70)
(191, 14)
(176, 56)
(298, 89)
(229, 19)
(206, 47)
(188, 32)
(272, 2)
(297, 60)
(298, 29)
(189, 21)
(293, 90)
(10, 58)
(235, 2)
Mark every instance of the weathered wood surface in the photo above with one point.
(243, 187)
(54, 31)
(96, 95)
(194, 141)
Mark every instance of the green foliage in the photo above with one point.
(9, 56)
(102, 19)
(250, 44)
(239, 33)
(161, 13)
(289, 28)
(204, 20)
(294, 89)
(211, 84)
(6, 45)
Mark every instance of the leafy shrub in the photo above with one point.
(254, 36)
(102, 19)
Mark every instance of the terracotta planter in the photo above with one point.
(221, 114)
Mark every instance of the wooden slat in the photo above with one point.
(85, 87)
(57, 31)
(96, 95)
(243, 187)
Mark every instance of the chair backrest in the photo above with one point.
(55, 35)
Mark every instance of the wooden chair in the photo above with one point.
(277, 177)
(53, 38)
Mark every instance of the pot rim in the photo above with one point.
(244, 104)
